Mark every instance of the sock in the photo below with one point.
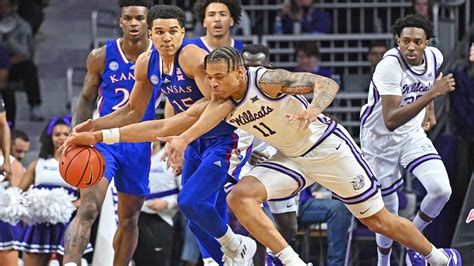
(229, 240)
(289, 257)
(383, 259)
(70, 264)
(420, 223)
(437, 257)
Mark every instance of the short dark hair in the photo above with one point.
(256, 48)
(19, 134)
(233, 5)
(230, 55)
(309, 48)
(377, 44)
(144, 3)
(413, 20)
(166, 12)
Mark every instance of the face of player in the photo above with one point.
(133, 22)
(224, 83)
(217, 20)
(376, 54)
(167, 36)
(20, 148)
(59, 135)
(412, 43)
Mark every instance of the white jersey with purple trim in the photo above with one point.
(393, 76)
(265, 118)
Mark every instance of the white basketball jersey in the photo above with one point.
(265, 118)
(394, 76)
(47, 173)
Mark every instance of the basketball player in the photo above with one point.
(175, 68)
(392, 123)
(310, 147)
(110, 77)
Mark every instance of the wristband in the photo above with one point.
(111, 136)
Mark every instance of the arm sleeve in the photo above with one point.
(387, 76)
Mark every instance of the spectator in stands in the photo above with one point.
(317, 206)
(374, 56)
(155, 224)
(32, 12)
(308, 59)
(20, 144)
(300, 16)
(17, 38)
(422, 7)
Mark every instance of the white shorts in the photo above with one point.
(386, 153)
(283, 206)
(336, 163)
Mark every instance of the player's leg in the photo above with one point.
(384, 244)
(132, 182)
(284, 215)
(35, 259)
(79, 230)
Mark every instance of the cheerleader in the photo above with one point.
(39, 241)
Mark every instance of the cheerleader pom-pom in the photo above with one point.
(12, 206)
(49, 206)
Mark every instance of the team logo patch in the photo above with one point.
(470, 216)
(113, 65)
(426, 147)
(358, 182)
(238, 154)
(154, 79)
(132, 67)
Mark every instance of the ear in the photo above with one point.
(232, 22)
(242, 72)
(183, 30)
(150, 33)
(397, 40)
(120, 23)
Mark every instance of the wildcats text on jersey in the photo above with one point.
(247, 116)
(416, 87)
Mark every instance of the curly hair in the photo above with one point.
(416, 21)
(145, 3)
(233, 6)
(166, 12)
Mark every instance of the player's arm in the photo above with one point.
(147, 131)
(429, 121)
(191, 61)
(395, 115)
(6, 143)
(28, 178)
(279, 81)
(140, 96)
(86, 101)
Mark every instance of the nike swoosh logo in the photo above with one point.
(366, 210)
(337, 148)
(158, 249)
(88, 182)
(288, 206)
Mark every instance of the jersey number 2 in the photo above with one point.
(265, 130)
(126, 95)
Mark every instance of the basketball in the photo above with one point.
(82, 166)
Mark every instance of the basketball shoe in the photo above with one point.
(414, 258)
(243, 255)
(454, 256)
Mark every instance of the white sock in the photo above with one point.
(420, 223)
(437, 257)
(289, 257)
(229, 240)
(383, 259)
(70, 264)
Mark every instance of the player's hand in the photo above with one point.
(257, 157)
(7, 170)
(157, 204)
(443, 84)
(305, 117)
(174, 151)
(429, 121)
(78, 139)
(86, 126)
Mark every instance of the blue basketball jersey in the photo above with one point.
(117, 82)
(180, 89)
(202, 44)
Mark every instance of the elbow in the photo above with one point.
(390, 125)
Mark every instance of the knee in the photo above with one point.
(376, 224)
(187, 204)
(88, 211)
(129, 222)
(239, 196)
(440, 192)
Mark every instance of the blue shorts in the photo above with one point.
(129, 165)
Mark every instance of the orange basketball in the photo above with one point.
(82, 166)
